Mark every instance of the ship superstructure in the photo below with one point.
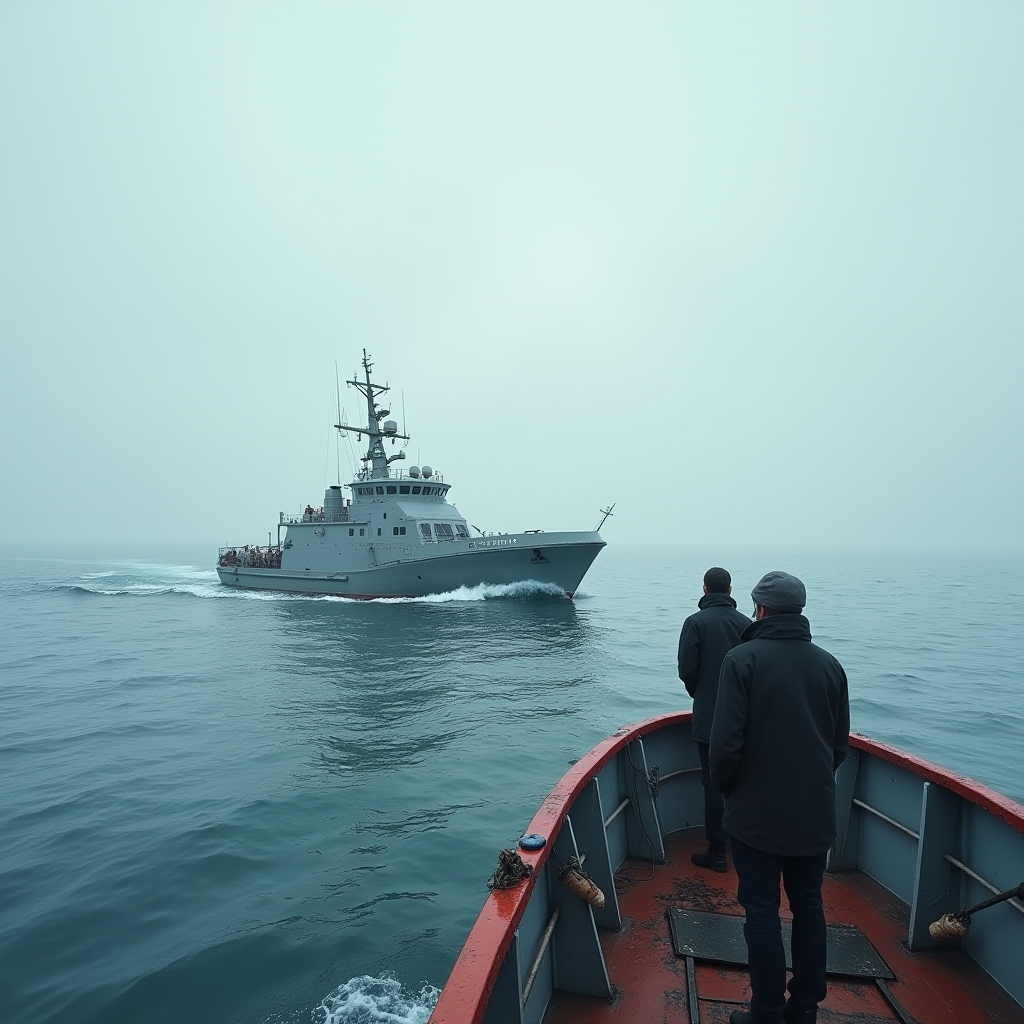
(397, 535)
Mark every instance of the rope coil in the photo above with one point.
(511, 870)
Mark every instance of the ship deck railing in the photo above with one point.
(366, 476)
(319, 516)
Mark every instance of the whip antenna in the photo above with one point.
(337, 440)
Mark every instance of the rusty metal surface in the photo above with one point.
(942, 987)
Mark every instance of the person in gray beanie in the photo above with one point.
(780, 731)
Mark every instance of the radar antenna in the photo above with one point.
(337, 445)
(376, 458)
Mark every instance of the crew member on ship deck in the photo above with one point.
(781, 730)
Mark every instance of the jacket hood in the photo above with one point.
(713, 600)
(788, 626)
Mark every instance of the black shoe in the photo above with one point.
(707, 859)
(797, 1013)
(747, 1017)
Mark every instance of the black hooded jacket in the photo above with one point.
(705, 639)
(781, 729)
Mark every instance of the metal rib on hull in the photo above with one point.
(563, 564)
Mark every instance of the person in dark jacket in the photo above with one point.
(706, 637)
(781, 729)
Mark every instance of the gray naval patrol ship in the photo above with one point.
(397, 535)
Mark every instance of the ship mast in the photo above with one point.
(375, 456)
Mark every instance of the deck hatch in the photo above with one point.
(719, 937)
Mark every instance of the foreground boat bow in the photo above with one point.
(915, 841)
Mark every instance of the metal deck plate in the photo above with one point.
(719, 937)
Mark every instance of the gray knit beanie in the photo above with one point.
(780, 592)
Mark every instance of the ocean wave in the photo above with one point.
(380, 1000)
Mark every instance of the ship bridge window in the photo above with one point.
(461, 530)
(404, 489)
(425, 530)
(416, 490)
(443, 530)
(392, 489)
(380, 490)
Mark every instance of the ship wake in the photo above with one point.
(147, 579)
(144, 579)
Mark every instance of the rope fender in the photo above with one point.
(574, 878)
(956, 925)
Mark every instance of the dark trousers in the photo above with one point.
(714, 805)
(759, 895)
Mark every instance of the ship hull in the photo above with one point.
(557, 560)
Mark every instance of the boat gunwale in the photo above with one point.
(466, 993)
(999, 806)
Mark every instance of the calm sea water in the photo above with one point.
(241, 808)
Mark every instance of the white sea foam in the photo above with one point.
(380, 1000)
(483, 592)
(148, 580)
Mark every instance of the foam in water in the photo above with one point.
(483, 592)
(381, 1000)
(147, 580)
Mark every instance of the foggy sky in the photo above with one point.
(755, 272)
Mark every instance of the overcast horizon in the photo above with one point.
(755, 273)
